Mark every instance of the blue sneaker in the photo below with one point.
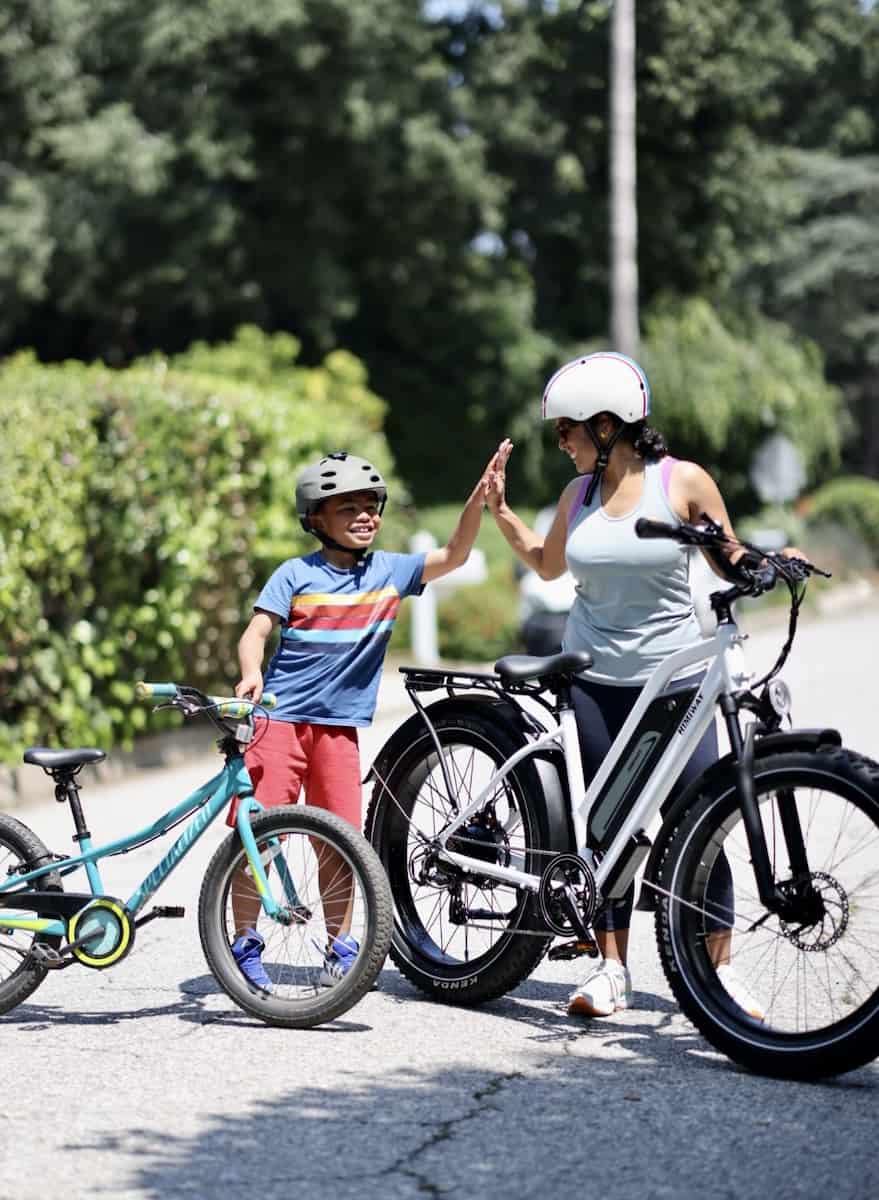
(247, 952)
(340, 959)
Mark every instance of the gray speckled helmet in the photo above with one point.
(335, 475)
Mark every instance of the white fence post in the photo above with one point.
(425, 646)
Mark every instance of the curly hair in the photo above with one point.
(648, 442)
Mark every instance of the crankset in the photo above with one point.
(568, 896)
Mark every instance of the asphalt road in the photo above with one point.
(145, 1081)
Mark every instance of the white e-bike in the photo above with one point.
(494, 847)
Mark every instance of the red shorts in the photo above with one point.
(286, 756)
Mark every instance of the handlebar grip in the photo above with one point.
(151, 691)
(645, 528)
(231, 707)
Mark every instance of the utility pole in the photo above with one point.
(623, 181)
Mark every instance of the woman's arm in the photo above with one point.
(546, 555)
(693, 493)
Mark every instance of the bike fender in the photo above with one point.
(504, 713)
(771, 743)
(510, 720)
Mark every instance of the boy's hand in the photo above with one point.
(494, 478)
(250, 687)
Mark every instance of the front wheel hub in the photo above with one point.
(820, 917)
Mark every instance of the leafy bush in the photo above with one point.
(849, 504)
(140, 512)
(478, 624)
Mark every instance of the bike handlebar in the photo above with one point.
(154, 691)
(224, 706)
(645, 528)
(756, 570)
(230, 707)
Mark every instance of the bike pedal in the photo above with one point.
(574, 949)
(49, 957)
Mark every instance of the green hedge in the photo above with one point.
(141, 510)
(850, 504)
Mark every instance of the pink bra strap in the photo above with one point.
(578, 499)
(667, 465)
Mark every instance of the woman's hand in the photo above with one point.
(494, 478)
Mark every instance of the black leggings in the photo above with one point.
(601, 711)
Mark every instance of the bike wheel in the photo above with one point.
(319, 869)
(440, 943)
(20, 975)
(816, 982)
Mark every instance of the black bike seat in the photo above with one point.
(519, 667)
(42, 756)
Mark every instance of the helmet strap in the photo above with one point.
(332, 544)
(604, 448)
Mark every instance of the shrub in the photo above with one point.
(141, 510)
(849, 504)
(478, 624)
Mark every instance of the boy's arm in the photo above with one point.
(457, 549)
(251, 650)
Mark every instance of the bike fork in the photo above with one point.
(294, 912)
(775, 898)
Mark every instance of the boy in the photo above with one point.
(336, 608)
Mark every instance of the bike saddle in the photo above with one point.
(520, 667)
(51, 760)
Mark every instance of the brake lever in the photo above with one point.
(181, 704)
(796, 569)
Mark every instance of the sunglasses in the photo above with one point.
(563, 426)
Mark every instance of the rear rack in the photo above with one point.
(431, 679)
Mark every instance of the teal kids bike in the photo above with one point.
(299, 876)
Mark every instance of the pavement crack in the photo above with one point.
(445, 1131)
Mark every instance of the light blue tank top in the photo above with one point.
(633, 605)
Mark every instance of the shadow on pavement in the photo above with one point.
(617, 1130)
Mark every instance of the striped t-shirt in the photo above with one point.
(335, 626)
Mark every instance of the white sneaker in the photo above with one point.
(739, 994)
(604, 991)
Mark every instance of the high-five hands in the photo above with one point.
(494, 478)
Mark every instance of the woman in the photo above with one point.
(633, 606)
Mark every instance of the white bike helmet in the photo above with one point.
(595, 383)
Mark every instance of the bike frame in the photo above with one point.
(205, 803)
(726, 675)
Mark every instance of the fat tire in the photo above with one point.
(515, 955)
(843, 1045)
(332, 1002)
(31, 852)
